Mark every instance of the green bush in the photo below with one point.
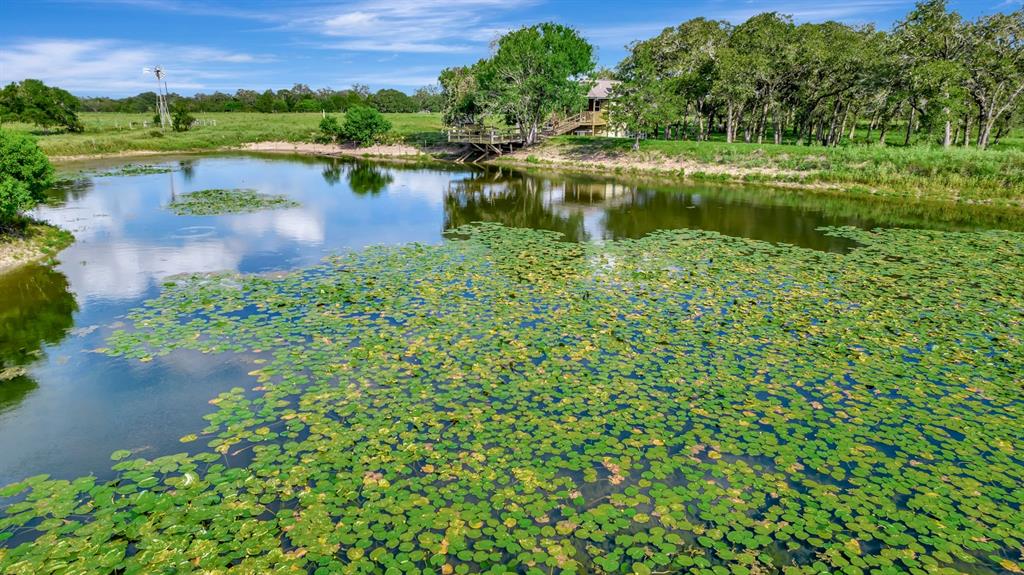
(25, 175)
(364, 126)
(181, 119)
(330, 130)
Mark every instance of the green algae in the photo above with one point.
(684, 402)
(233, 201)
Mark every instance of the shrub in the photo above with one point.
(25, 175)
(330, 130)
(181, 119)
(364, 125)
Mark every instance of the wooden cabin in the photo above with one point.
(597, 97)
(594, 119)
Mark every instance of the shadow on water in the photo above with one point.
(38, 310)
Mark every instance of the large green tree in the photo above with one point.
(931, 42)
(642, 99)
(536, 71)
(462, 102)
(995, 69)
(36, 103)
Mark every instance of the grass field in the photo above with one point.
(111, 133)
(994, 176)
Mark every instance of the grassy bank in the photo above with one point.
(113, 133)
(993, 177)
(28, 240)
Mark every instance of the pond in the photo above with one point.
(75, 407)
(77, 401)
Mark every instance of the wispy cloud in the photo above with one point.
(414, 26)
(112, 66)
(846, 10)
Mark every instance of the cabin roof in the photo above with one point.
(601, 89)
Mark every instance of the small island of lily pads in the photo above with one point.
(228, 201)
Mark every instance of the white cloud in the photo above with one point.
(111, 66)
(412, 26)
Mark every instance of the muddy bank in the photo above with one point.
(656, 164)
(395, 151)
(31, 241)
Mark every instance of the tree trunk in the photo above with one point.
(947, 137)
(983, 137)
(761, 123)
(882, 128)
(728, 124)
(841, 132)
(910, 127)
(967, 130)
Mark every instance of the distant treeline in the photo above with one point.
(300, 98)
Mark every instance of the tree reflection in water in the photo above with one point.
(513, 199)
(365, 178)
(36, 309)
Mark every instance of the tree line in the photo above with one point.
(948, 79)
(299, 98)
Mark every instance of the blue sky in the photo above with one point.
(99, 47)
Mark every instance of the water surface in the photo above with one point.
(74, 406)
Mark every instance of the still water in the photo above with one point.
(74, 406)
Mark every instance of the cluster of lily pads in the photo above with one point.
(129, 170)
(227, 201)
(511, 402)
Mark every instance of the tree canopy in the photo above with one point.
(33, 102)
(960, 82)
(535, 71)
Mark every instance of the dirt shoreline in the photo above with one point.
(303, 148)
(656, 165)
(39, 241)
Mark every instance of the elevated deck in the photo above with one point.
(486, 138)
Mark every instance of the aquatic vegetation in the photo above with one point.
(128, 170)
(683, 402)
(234, 201)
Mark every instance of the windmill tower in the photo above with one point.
(161, 95)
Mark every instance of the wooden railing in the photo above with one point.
(494, 136)
(575, 122)
(484, 136)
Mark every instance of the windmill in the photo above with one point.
(161, 94)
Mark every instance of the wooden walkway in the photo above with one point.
(483, 142)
